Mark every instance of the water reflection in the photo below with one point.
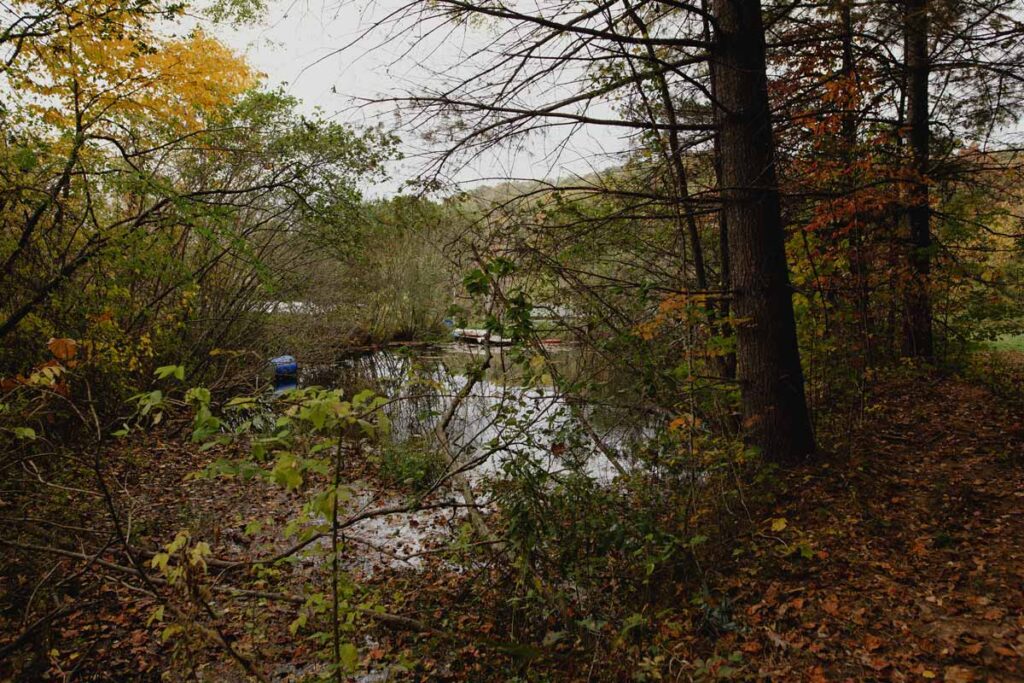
(283, 383)
(512, 414)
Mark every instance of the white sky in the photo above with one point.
(297, 45)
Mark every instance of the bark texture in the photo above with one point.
(771, 380)
(917, 309)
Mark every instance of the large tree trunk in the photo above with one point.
(917, 309)
(771, 379)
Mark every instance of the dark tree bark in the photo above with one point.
(727, 362)
(771, 380)
(859, 264)
(917, 309)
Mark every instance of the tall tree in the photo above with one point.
(917, 313)
(560, 63)
(771, 379)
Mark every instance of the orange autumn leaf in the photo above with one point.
(62, 348)
(831, 605)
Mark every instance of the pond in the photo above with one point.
(511, 419)
(513, 413)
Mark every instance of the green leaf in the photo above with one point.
(25, 158)
(200, 395)
(157, 615)
(299, 622)
(159, 561)
(24, 433)
(363, 397)
(286, 473)
(633, 622)
(163, 372)
(322, 446)
(349, 657)
(476, 282)
(317, 414)
(170, 632)
(241, 402)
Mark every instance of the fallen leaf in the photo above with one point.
(63, 349)
(831, 605)
(958, 674)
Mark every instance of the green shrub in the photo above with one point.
(411, 464)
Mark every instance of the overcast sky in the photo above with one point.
(297, 44)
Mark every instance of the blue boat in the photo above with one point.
(285, 366)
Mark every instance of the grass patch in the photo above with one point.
(1007, 342)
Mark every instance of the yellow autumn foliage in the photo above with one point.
(106, 62)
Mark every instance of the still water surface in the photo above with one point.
(514, 411)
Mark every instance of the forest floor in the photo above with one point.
(898, 556)
(911, 562)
